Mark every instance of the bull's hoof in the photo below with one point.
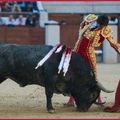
(51, 111)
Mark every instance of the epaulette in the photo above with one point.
(106, 31)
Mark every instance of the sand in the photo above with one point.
(30, 101)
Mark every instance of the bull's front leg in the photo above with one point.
(49, 94)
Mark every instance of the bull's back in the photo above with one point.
(21, 61)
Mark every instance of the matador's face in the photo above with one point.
(94, 24)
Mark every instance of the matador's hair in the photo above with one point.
(102, 20)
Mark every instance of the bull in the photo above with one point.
(18, 63)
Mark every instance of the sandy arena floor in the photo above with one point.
(29, 102)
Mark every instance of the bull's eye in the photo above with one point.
(93, 96)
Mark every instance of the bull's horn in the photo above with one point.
(103, 88)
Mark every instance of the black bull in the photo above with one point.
(18, 62)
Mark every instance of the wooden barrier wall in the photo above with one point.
(22, 35)
(69, 27)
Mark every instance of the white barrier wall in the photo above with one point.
(82, 7)
(109, 54)
(52, 34)
(43, 18)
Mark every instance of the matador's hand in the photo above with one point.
(119, 50)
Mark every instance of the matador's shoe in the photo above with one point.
(70, 103)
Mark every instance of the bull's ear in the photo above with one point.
(91, 73)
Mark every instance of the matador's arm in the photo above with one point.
(81, 31)
(114, 44)
(79, 35)
(107, 33)
(83, 27)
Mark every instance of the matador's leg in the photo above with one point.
(93, 66)
(92, 61)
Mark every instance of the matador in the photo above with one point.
(93, 31)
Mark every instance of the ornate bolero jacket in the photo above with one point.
(96, 37)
